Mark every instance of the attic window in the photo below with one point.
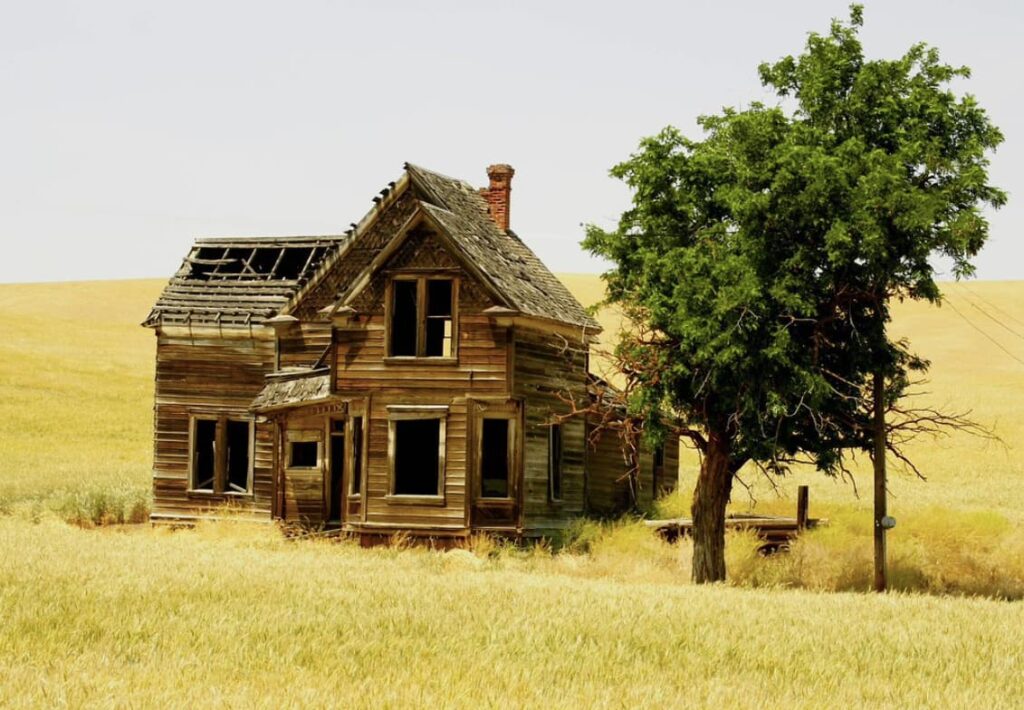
(439, 318)
(422, 317)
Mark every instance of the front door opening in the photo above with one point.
(494, 455)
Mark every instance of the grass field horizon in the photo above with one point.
(232, 614)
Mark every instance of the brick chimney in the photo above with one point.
(499, 193)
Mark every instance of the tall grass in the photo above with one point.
(233, 615)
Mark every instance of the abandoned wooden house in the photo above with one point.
(402, 377)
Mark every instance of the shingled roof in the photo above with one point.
(240, 281)
(293, 389)
(513, 270)
(245, 281)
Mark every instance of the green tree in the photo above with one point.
(759, 261)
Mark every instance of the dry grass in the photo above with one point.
(233, 615)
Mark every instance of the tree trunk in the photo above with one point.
(709, 500)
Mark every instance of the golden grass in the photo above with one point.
(76, 389)
(233, 615)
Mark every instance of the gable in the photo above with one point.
(352, 261)
(421, 250)
(499, 262)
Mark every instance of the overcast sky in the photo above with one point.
(127, 129)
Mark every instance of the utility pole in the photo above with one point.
(882, 520)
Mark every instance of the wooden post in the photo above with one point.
(878, 459)
(801, 507)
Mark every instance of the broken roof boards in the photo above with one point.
(241, 282)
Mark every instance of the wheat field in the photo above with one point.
(233, 615)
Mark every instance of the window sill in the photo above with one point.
(417, 360)
(206, 493)
(399, 499)
(484, 502)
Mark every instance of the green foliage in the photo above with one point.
(760, 259)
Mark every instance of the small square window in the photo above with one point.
(303, 454)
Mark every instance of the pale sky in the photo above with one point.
(127, 129)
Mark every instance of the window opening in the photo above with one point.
(357, 455)
(304, 454)
(237, 469)
(337, 468)
(403, 318)
(555, 460)
(417, 450)
(439, 318)
(204, 463)
(494, 459)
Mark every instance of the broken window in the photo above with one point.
(439, 318)
(221, 455)
(204, 454)
(416, 448)
(422, 318)
(357, 456)
(403, 318)
(494, 458)
(237, 468)
(303, 454)
(555, 461)
(337, 440)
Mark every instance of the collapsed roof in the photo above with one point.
(240, 282)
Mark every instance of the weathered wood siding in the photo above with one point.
(304, 487)
(361, 368)
(545, 370)
(208, 374)
(303, 344)
(608, 488)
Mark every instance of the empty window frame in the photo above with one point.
(303, 454)
(438, 322)
(416, 443)
(221, 455)
(555, 462)
(237, 467)
(422, 317)
(355, 486)
(204, 454)
(495, 457)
